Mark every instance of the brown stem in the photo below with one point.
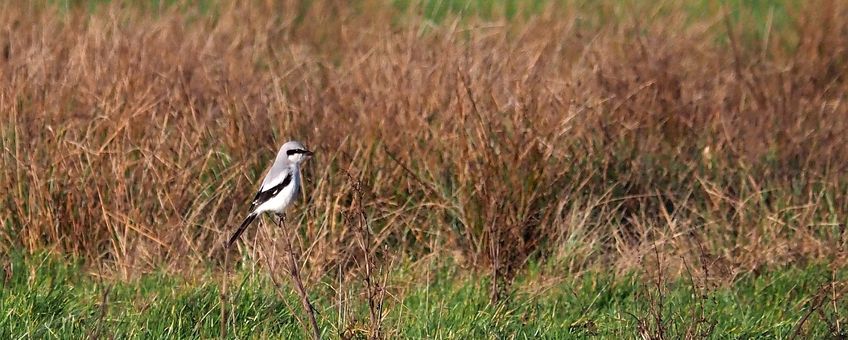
(224, 300)
(364, 236)
(495, 255)
(277, 286)
(294, 272)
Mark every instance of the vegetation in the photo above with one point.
(57, 300)
(672, 148)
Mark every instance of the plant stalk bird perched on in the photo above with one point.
(279, 187)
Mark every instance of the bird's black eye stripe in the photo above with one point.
(295, 151)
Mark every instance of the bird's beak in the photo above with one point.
(309, 153)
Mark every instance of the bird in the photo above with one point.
(280, 186)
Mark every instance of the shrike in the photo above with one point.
(279, 187)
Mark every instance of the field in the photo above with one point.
(56, 300)
(483, 169)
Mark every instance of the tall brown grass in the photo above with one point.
(133, 137)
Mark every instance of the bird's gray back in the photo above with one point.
(278, 171)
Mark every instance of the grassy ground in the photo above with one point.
(511, 167)
(44, 297)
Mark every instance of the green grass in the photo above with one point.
(45, 297)
(439, 10)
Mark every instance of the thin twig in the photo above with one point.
(224, 300)
(817, 302)
(294, 272)
(272, 268)
(364, 237)
(104, 306)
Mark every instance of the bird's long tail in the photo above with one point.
(241, 229)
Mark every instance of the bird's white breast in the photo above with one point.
(282, 200)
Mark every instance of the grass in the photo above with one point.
(499, 145)
(46, 297)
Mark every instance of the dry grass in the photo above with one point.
(134, 138)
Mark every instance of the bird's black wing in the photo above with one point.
(261, 197)
(264, 195)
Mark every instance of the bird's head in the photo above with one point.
(296, 152)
